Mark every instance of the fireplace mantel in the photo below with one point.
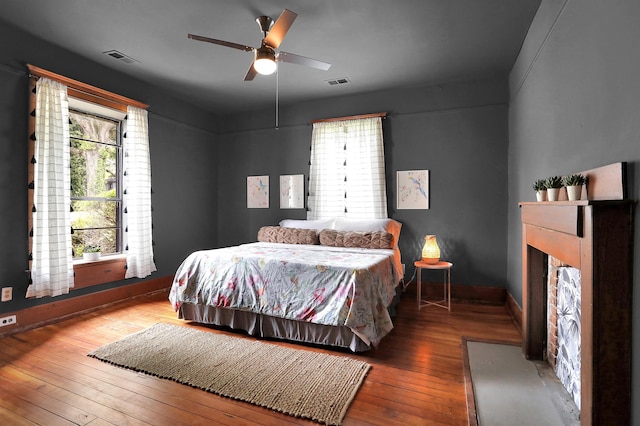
(595, 236)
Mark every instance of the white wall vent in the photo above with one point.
(120, 56)
(338, 81)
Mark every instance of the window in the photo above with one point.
(96, 188)
(346, 171)
(89, 184)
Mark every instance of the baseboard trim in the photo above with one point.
(48, 313)
(462, 293)
(514, 310)
(478, 294)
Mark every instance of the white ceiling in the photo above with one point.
(376, 44)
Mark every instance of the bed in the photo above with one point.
(331, 282)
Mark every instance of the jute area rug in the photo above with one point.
(297, 382)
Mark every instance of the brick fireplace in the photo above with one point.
(552, 311)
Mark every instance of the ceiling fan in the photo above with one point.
(265, 56)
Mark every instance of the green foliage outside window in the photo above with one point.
(94, 183)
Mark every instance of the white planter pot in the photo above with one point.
(541, 195)
(553, 194)
(91, 256)
(574, 192)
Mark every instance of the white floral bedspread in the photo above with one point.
(319, 284)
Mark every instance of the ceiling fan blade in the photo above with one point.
(220, 42)
(292, 58)
(251, 73)
(280, 28)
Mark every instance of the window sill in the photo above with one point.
(105, 270)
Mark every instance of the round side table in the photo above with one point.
(446, 299)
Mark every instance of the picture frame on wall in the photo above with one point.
(292, 191)
(412, 189)
(257, 192)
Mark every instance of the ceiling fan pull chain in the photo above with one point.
(277, 87)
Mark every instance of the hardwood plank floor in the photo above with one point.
(416, 376)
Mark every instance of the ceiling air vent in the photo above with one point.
(338, 81)
(120, 56)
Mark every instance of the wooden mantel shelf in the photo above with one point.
(595, 236)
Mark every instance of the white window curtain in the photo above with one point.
(346, 172)
(52, 265)
(136, 196)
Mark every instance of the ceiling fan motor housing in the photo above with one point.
(265, 52)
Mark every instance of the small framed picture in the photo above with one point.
(413, 189)
(292, 191)
(257, 192)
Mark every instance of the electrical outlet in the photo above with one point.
(7, 294)
(10, 320)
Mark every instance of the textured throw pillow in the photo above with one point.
(370, 225)
(268, 234)
(373, 240)
(277, 234)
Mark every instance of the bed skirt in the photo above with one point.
(280, 328)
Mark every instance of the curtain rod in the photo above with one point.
(351, 117)
(86, 89)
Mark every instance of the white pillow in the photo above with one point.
(319, 224)
(370, 225)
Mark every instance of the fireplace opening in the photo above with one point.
(563, 325)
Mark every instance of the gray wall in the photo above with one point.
(183, 161)
(575, 101)
(457, 131)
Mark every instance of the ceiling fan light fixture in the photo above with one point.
(265, 61)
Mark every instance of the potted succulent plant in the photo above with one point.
(574, 185)
(541, 190)
(553, 184)
(91, 252)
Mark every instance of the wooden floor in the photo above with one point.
(416, 376)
